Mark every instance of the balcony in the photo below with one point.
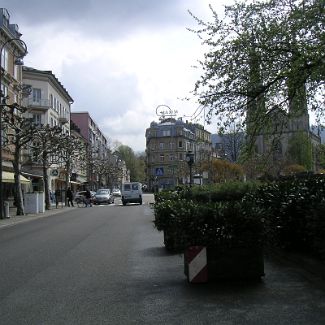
(63, 119)
(43, 104)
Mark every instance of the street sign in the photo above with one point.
(160, 171)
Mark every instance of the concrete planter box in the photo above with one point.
(232, 264)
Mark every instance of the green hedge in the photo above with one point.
(220, 224)
(295, 212)
(288, 213)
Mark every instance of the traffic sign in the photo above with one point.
(160, 171)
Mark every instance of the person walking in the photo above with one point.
(70, 197)
(57, 195)
(88, 198)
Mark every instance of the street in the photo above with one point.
(107, 265)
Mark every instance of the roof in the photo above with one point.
(52, 76)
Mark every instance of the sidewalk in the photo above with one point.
(13, 220)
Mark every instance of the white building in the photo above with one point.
(49, 103)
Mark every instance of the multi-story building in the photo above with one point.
(12, 50)
(167, 145)
(114, 171)
(49, 103)
(79, 170)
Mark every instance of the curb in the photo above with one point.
(14, 220)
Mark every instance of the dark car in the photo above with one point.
(103, 195)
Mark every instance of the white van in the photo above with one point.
(131, 193)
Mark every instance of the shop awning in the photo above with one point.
(8, 177)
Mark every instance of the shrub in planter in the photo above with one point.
(170, 217)
(233, 234)
(231, 191)
(294, 210)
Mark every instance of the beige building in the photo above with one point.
(13, 49)
(167, 146)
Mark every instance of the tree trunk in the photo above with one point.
(46, 183)
(67, 180)
(18, 194)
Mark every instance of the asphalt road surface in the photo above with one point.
(107, 265)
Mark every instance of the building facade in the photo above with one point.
(104, 168)
(167, 145)
(48, 103)
(12, 50)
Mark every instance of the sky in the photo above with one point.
(118, 59)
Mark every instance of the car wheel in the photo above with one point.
(124, 203)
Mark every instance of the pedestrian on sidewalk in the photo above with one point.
(70, 197)
(57, 195)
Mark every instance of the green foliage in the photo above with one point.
(300, 150)
(262, 54)
(229, 191)
(321, 156)
(191, 220)
(294, 211)
(289, 213)
(135, 164)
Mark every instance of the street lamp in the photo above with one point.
(190, 162)
(18, 60)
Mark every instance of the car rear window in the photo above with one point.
(102, 192)
(127, 187)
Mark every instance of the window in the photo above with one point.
(37, 119)
(180, 156)
(16, 67)
(162, 158)
(4, 59)
(172, 145)
(135, 187)
(180, 144)
(161, 145)
(36, 95)
(166, 133)
(51, 100)
(4, 90)
(171, 157)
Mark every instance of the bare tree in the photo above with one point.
(71, 151)
(20, 131)
(45, 150)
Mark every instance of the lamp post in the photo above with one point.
(18, 60)
(190, 162)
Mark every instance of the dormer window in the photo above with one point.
(6, 17)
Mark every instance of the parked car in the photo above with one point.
(116, 192)
(103, 195)
(80, 196)
(132, 193)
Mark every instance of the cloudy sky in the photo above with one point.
(118, 59)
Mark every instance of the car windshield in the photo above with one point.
(101, 192)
